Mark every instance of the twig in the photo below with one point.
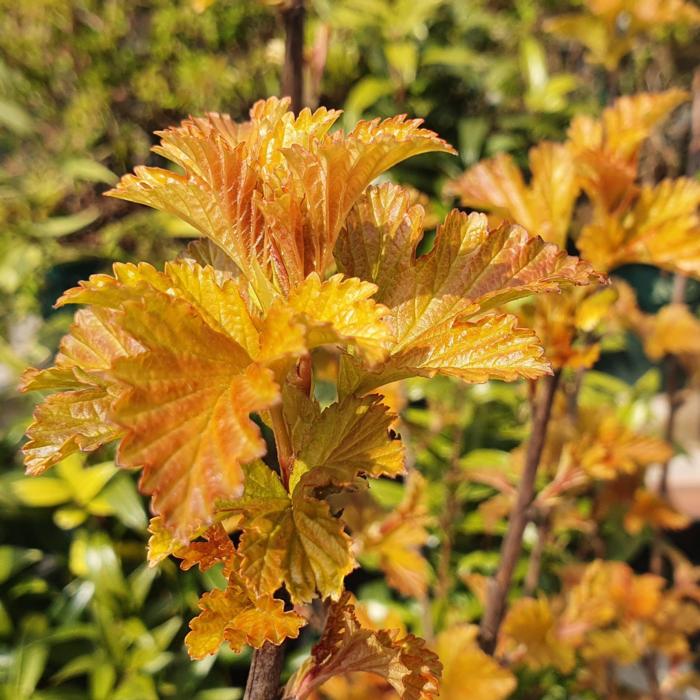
(293, 75)
(649, 666)
(266, 664)
(512, 544)
(449, 514)
(264, 675)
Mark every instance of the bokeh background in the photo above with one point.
(83, 84)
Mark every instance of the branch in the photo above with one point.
(293, 74)
(513, 541)
(264, 675)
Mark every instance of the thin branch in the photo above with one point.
(513, 541)
(449, 515)
(265, 671)
(293, 15)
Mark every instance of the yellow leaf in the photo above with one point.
(543, 208)
(467, 671)
(531, 625)
(42, 492)
(339, 310)
(292, 540)
(347, 438)
(238, 617)
(649, 509)
(661, 229)
(432, 299)
(346, 647)
(674, 330)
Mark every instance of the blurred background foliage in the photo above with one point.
(83, 84)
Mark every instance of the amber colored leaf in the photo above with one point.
(67, 422)
(606, 448)
(543, 207)
(346, 647)
(186, 413)
(625, 125)
(77, 418)
(467, 670)
(674, 330)
(218, 301)
(273, 193)
(349, 437)
(292, 540)
(649, 509)
(433, 298)
(604, 592)
(238, 617)
(531, 627)
(607, 149)
(340, 310)
(661, 229)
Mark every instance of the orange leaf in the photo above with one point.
(432, 299)
(468, 671)
(543, 208)
(345, 647)
(238, 617)
(649, 509)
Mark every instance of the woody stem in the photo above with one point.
(512, 543)
(265, 671)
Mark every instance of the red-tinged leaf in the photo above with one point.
(216, 548)
(470, 270)
(345, 647)
(238, 617)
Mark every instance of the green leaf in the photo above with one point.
(15, 118)
(58, 226)
(126, 504)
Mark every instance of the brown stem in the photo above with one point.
(513, 541)
(265, 671)
(649, 665)
(447, 519)
(293, 73)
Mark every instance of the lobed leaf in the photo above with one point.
(237, 616)
(345, 647)
(544, 207)
(290, 539)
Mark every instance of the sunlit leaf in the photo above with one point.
(345, 647)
